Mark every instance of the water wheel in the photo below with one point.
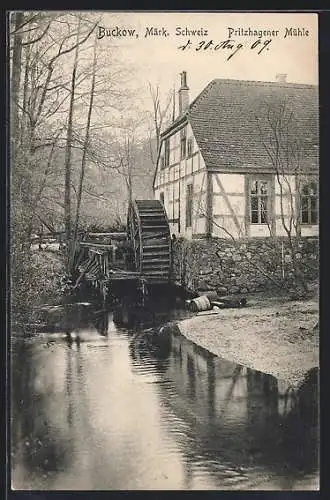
(149, 236)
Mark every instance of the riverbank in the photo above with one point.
(273, 335)
(37, 279)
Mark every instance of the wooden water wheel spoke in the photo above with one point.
(149, 236)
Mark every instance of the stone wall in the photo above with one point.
(243, 266)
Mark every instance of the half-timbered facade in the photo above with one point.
(241, 160)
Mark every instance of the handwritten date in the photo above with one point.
(230, 46)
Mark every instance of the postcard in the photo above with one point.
(164, 208)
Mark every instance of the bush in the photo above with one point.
(36, 277)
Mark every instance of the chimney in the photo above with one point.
(183, 93)
(281, 77)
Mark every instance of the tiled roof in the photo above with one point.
(225, 118)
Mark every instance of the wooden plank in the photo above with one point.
(87, 244)
(123, 272)
(154, 236)
(109, 235)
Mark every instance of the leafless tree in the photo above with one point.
(161, 113)
(36, 104)
(283, 138)
(39, 97)
(67, 163)
(83, 160)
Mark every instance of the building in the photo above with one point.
(241, 160)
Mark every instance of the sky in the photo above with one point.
(159, 60)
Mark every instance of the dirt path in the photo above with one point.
(276, 337)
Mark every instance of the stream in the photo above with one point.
(109, 413)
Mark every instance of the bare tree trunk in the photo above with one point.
(67, 163)
(129, 173)
(83, 161)
(279, 139)
(16, 78)
(159, 116)
(25, 92)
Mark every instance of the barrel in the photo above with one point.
(200, 304)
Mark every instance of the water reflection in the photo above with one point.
(42, 436)
(111, 413)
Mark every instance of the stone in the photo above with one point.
(237, 263)
(242, 280)
(205, 272)
(203, 285)
(222, 290)
(204, 290)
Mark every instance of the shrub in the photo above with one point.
(36, 277)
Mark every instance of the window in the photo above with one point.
(167, 152)
(183, 143)
(309, 203)
(190, 145)
(259, 202)
(189, 204)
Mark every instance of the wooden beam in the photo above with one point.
(200, 194)
(209, 204)
(100, 246)
(229, 205)
(109, 235)
(247, 205)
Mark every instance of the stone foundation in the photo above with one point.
(243, 266)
